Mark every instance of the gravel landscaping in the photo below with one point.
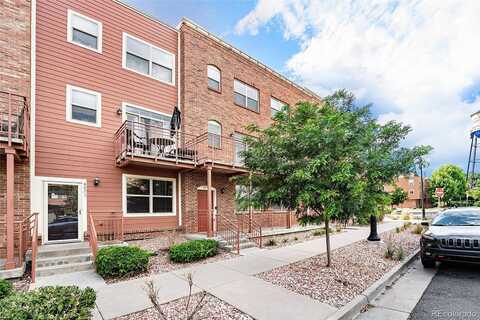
(354, 268)
(161, 263)
(214, 309)
(291, 239)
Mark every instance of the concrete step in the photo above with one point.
(66, 268)
(62, 250)
(63, 260)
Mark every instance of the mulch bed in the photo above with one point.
(161, 263)
(214, 309)
(354, 268)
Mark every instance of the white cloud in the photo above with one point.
(411, 58)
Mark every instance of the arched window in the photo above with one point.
(214, 134)
(213, 74)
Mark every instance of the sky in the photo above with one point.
(416, 61)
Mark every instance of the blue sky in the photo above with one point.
(415, 60)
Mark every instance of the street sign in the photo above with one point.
(439, 192)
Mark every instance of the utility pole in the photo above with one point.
(422, 191)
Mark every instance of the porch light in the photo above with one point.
(96, 181)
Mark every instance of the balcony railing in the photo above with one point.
(14, 120)
(140, 140)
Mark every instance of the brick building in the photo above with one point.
(412, 186)
(134, 122)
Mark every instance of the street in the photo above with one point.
(450, 292)
(454, 293)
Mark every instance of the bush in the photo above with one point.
(5, 288)
(285, 240)
(119, 261)
(406, 217)
(418, 229)
(193, 250)
(389, 251)
(271, 243)
(399, 254)
(66, 303)
(318, 233)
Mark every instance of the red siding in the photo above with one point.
(65, 149)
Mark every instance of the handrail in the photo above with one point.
(15, 118)
(256, 233)
(34, 247)
(92, 236)
(230, 231)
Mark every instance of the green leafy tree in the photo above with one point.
(332, 158)
(398, 196)
(454, 183)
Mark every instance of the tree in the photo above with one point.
(453, 181)
(332, 158)
(398, 196)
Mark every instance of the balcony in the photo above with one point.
(140, 143)
(14, 122)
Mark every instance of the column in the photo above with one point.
(10, 218)
(209, 202)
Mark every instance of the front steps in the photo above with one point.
(245, 243)
(56, 259)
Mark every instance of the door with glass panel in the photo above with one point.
(63, 207)
(148, 129)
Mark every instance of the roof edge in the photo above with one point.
(196, 26)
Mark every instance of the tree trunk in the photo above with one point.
(327, 239)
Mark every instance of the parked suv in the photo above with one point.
(454, 235)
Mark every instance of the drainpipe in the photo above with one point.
(10, 218)
(209, 202)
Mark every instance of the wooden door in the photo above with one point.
(202, 210)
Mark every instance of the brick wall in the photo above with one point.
(14, 78)
(200, 104)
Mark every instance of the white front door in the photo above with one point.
(63, 206)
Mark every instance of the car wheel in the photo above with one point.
(427, 262)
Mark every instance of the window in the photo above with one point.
(84, 31)
(214, 134)
(276, 106)
(246, 96)
(144, 58)
(240, 147)
(146, 195)
(213, 77)
(83, 106)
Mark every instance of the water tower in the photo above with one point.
(473, 158)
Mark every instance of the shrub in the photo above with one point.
(389, 251)
(318, 233)
(399, 254)
(5, 288)
(397, 230)
(193, 250)
(285, 240)
(119, 261)
(407, 225)
(271, 243)
(295, 239)
(406, 216)
(66, 303)
(418, 229)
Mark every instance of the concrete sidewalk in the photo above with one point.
(398, 301)
(231, 280)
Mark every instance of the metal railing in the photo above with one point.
(92, 236)
(14, 119)
(135, 139)
(228, 231)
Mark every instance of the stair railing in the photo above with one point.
(92, 236)
(255, 233)
(228, 231)
(28, 239)
(34, 246)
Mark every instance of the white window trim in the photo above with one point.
(246, 95)
(70, 33)
(68, 99)
(124, 110)
(277, 110)
(124, 197)
(124, 59)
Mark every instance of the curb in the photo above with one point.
(351, 309)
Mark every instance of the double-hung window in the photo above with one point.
(84, 31)
(246, 96)
(84, 106)
(213, 74)
(240, 148)
(276, 106)
(214, 134)
(149, 195)
(144, 58)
